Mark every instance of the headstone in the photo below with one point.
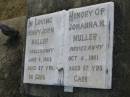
(71, 48)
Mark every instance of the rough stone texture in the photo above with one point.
(11, 59)
(121, 63)
(12, 8)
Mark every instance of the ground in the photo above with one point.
(12, 8)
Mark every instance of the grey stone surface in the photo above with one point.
(11, 59)
(121, 63)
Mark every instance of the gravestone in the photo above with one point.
(121, 74)
(67, 51)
